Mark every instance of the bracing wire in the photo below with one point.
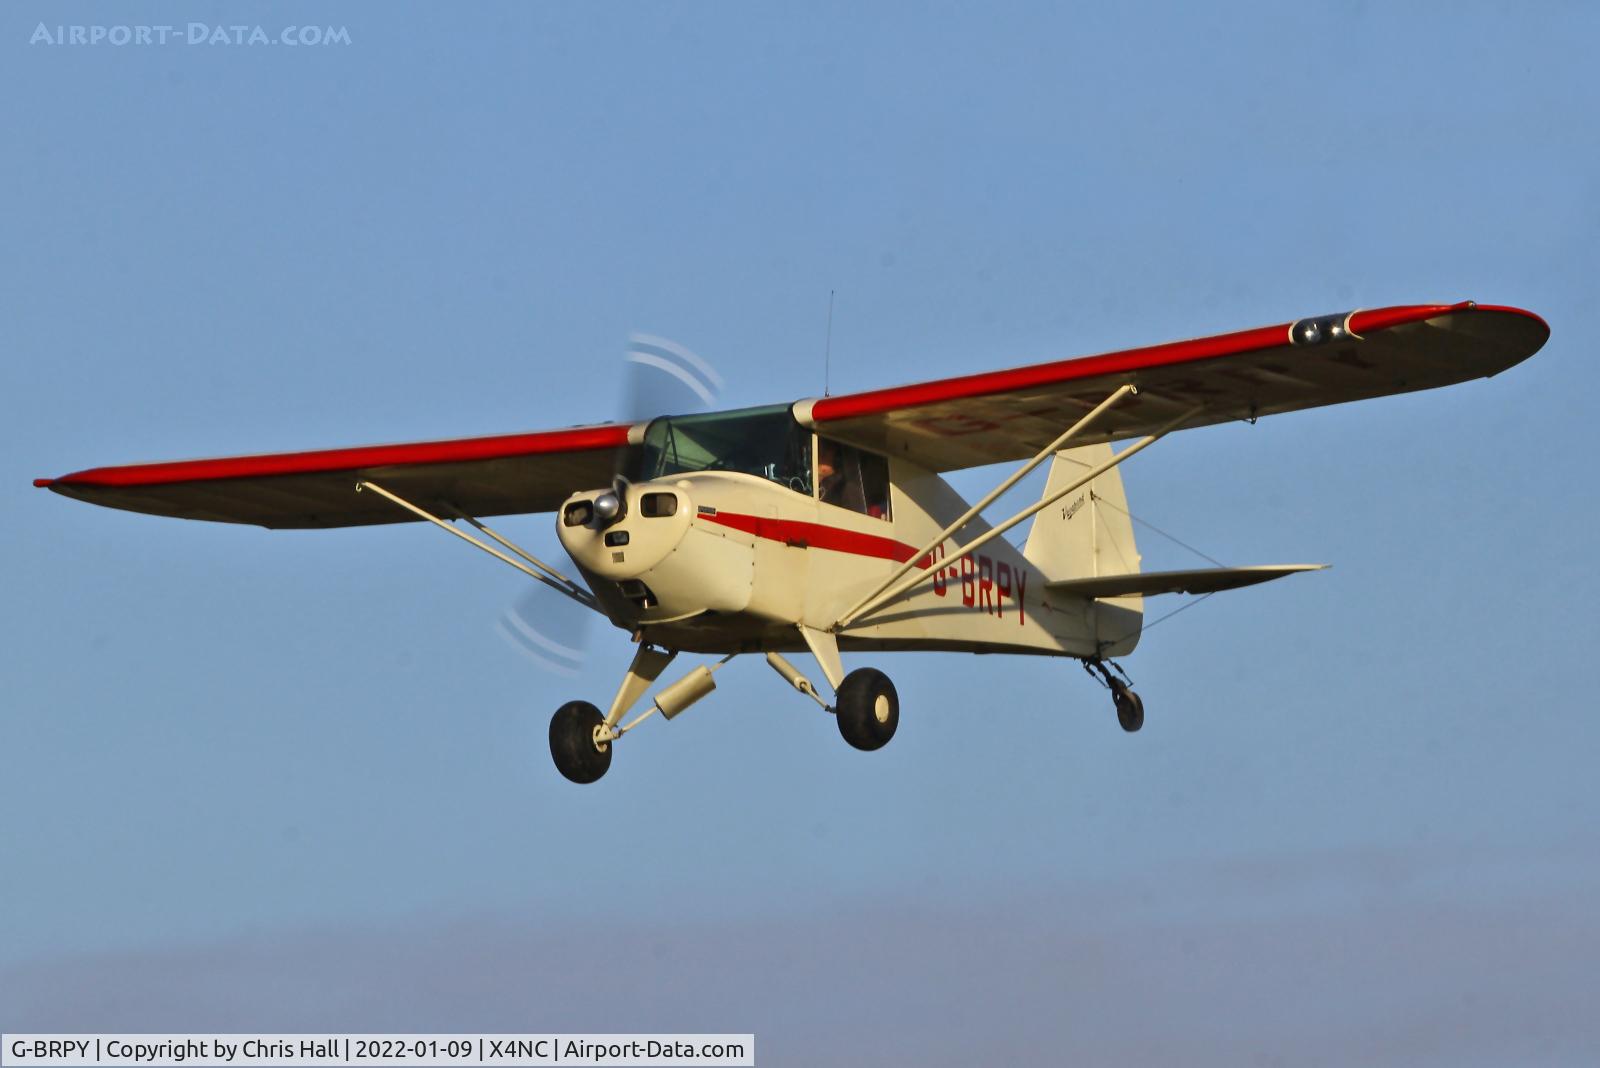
(1164, 534)
(1148, 627)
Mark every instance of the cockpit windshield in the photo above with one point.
(767, 442)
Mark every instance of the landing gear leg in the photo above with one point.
(1129, 705)
(866, 707)
(581, 739)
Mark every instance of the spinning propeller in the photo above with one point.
(659, 377)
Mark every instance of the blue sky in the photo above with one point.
(266, 767)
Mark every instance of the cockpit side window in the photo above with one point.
(852, 478)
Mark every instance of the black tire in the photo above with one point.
(572, 742)
(1130, 706)
(868, 709)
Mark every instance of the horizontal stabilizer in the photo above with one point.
(1199, 580)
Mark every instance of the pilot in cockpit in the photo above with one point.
(838, 478)
(852, 479)
(829, 477)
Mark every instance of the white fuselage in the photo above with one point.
(742, 561)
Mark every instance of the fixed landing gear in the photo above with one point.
(582, 741)
(865, 705)
(1129, 705)
(575, 742)
(867, 708)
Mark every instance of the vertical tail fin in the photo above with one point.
(1089, 534)
(1086, 534)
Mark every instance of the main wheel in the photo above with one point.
(1130, 706)
(868, 708)
(572, 743)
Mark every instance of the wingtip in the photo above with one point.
(43, 483)
(1508, 309)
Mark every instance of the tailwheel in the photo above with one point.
(1130, 706)
(867, 708)
(574, 745)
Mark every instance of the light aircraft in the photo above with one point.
(823, 526)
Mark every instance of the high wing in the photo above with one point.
(943, 425)
(502, 475)
(1011, 415)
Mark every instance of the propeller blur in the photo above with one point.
(658, 375)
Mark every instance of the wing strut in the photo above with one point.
(549, 576)
(860, 607)
(534, 560)
(878, 600)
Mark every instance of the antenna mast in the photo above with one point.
(827, 352)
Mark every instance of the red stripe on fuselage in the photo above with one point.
(817, 536)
